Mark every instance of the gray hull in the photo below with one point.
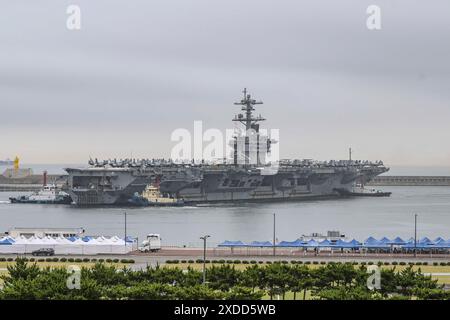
(251, 187)
(104, 187)
(204, 185)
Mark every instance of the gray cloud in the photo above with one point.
(138, 70)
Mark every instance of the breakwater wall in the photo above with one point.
(410, 181)
(30, 183)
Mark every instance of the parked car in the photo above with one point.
(44, 252)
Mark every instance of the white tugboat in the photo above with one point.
(49, 194)
(358, 190)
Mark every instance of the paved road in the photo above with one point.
(142, 259)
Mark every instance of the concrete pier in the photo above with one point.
(30, 183)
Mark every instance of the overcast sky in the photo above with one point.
(137, 70)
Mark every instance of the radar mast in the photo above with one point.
(251, 124)
(247, 104)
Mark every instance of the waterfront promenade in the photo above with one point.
(171, 253)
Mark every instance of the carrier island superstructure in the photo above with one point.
(247, 177)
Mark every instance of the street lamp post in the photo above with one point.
(415, 235)
(125, 227)
(204, 256)
(274, 235)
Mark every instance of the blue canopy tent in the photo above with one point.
(438, 239)
(326, 244)
(441, 244)
(373, 243)
(397, 241)
(353, 244)
(371, 240)
(260, 244)
(311, 244)
(419, 246)
(227, 243)
(6, 241)
(409, 243)
(425, 240)
(86, 239)
(73, 238)
(130, 239)
(291, 244)
(385, 240)
(340, 244)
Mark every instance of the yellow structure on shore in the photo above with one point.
(16, 163)
(16, 172)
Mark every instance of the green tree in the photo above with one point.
(334, 281)
(198, 292)
(348, 293)
(301, 280)
(243, 293)
(223, 277)
(276, 279)
(252, 277)
(20, 270)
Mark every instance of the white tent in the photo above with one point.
(21, 240)
(100, 245)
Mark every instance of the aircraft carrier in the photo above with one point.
(246, 175)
